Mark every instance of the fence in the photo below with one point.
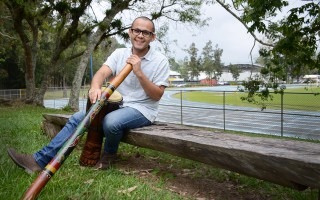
(51, 93)
(13, 94)
(288, 114)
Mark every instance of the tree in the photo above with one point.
(294, 37)
(217, 53)
(182, 11)
(208, 59)
(235, 71)
(106, 26)
(174, 65)
(193, 65)
(212, 60)
(49, 29)
(11, 72)
(183, 69)
(53, 24)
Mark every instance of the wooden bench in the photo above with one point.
(290, 163)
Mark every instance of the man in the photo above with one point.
(141, 92)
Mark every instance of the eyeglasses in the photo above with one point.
(144, 33)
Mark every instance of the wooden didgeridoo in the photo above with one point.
(56, 162)
(92, 147)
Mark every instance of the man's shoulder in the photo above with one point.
(158, 54)
(121, 50)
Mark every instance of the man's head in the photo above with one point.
(141, 33)
(146, 19)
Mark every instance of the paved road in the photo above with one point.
(296, 123)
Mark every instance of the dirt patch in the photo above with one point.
(185, 183)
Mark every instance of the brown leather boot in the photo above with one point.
(25, 161)
(106, 161)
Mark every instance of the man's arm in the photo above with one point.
(152, 90)
(97, 81)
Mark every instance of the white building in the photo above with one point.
(247, 70)
(175, 78)
(227, 76)
(311, 79)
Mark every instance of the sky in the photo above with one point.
(224, 30)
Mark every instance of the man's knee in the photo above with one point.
(110, 125)
(77, 117)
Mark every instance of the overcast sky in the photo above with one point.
(223, 30)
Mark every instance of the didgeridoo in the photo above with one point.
(71, 143)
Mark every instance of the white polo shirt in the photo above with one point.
(154, 65)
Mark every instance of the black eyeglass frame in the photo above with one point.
(145, 33)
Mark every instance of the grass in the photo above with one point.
(293, 99)
(20, 128)
(60, 93)
(303, 98)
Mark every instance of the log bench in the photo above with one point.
(290, 163)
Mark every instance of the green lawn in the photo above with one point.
(297, 99)
(20, 128)
(59, 93)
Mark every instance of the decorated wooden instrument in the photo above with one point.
(92, 147)
(71, 143)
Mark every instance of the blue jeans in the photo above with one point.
(114, 126)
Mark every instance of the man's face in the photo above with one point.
(141, 34)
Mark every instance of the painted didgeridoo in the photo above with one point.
(71, 143)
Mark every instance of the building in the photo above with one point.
(311, 79)
(246, 71)
(175, 78)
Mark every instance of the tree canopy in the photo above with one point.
(290, 40)
(49, 30)
(50, 33)
(293, 36)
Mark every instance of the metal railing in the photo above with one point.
(13, 94)
(287, 116)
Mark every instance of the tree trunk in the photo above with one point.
(29, 43)
(65, 94)
(30, 52)
(39, 94)
(93, 41)
(76, 83)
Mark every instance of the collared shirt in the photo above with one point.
(154, 65)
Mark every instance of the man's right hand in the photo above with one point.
(94, 95)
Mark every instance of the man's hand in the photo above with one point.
(153, 91)
(94, 95)
(135, 61)
(97, 81)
